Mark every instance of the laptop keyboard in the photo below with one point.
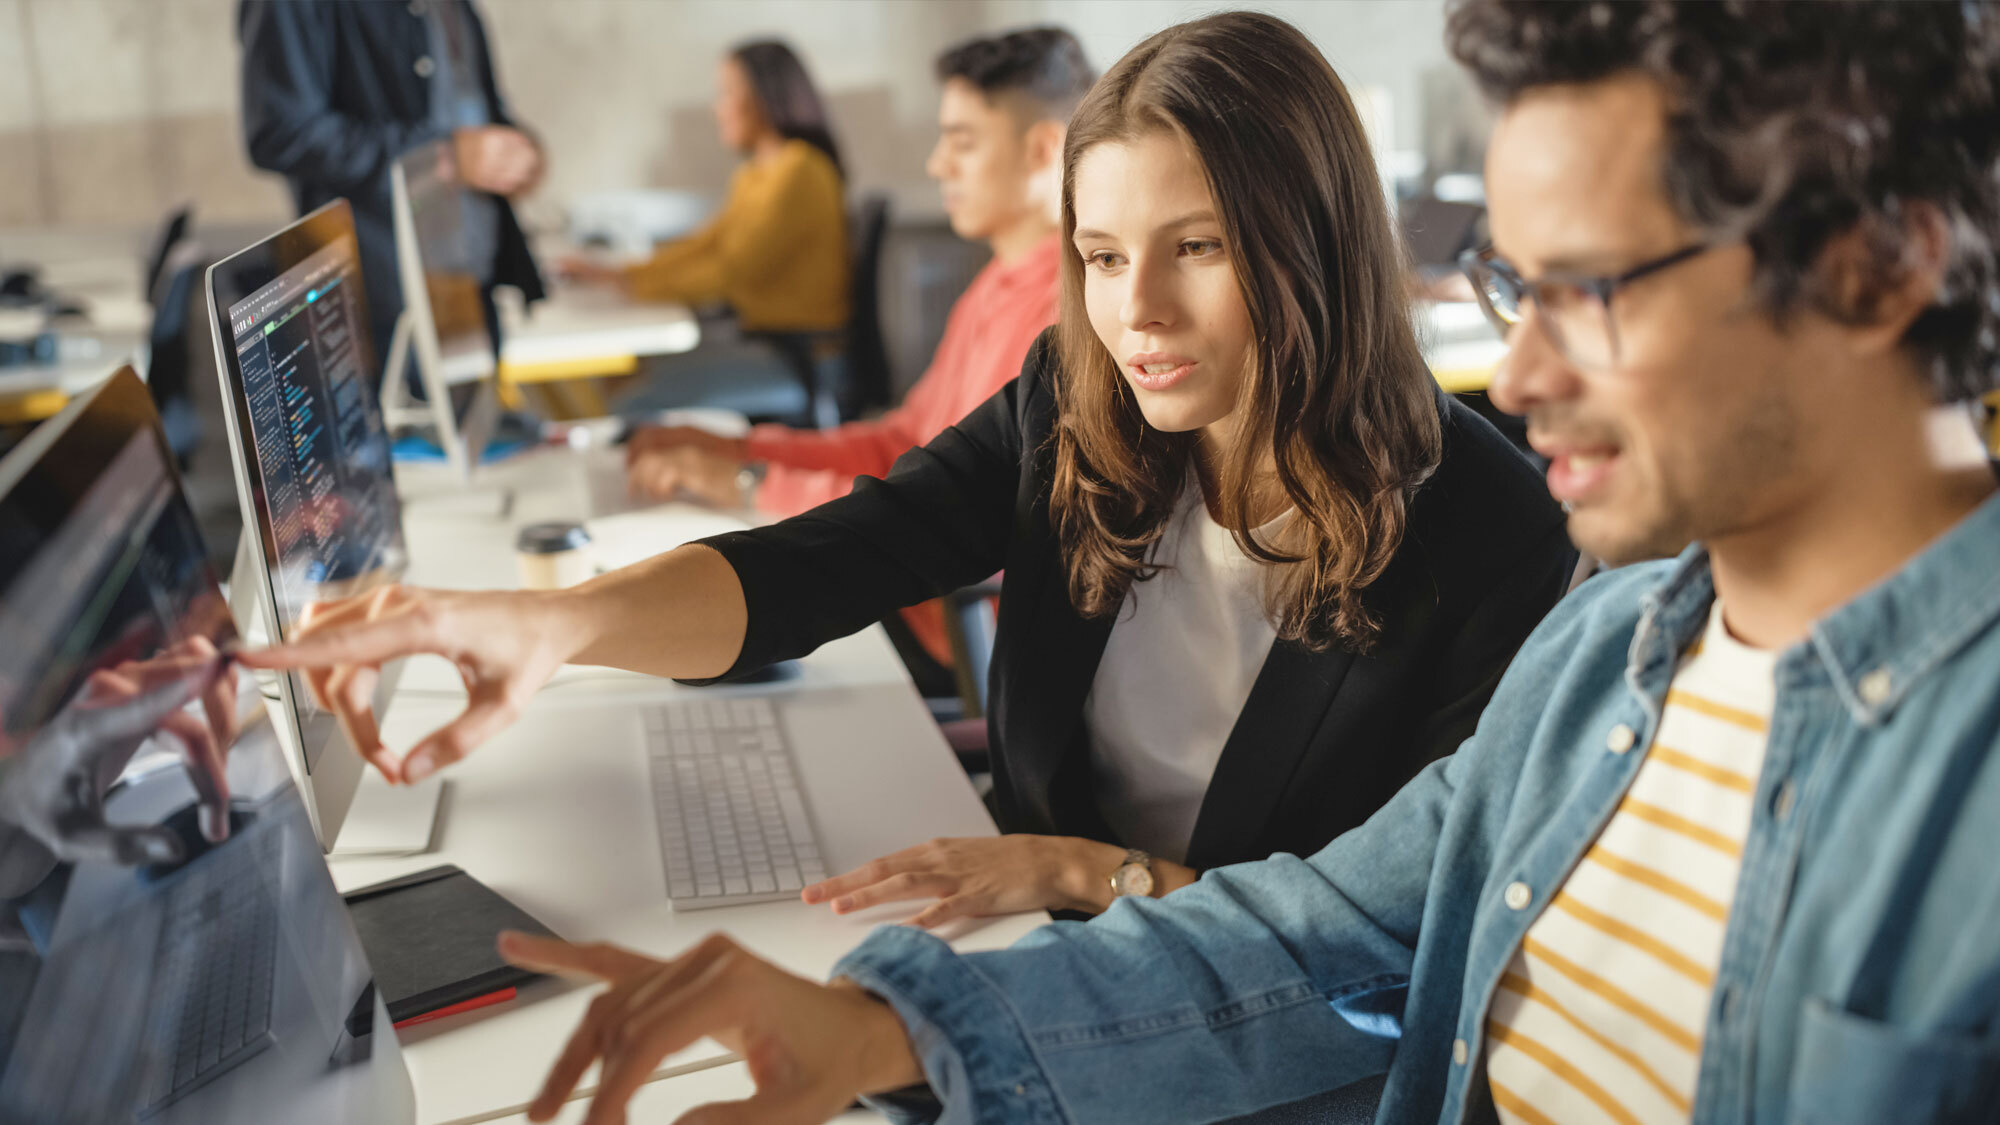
(733, 822)
(213, 971)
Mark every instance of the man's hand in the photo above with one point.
(647, 439)
(810, 1048)
(497, 159)
(505, 644)
(685, 471)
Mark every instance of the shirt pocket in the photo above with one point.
(1853, 1070)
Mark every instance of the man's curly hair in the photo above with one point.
(1793, 122)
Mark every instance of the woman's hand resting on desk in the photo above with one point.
(986, 875)
(810, 1048)
(505, 644)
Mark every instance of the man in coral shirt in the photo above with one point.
(998, 161)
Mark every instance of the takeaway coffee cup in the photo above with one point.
(553, 555)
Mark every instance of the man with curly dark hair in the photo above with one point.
(1722, 847)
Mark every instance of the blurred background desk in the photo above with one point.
(562, 347)
(98, 274)
(85, 355)
(1459, 345)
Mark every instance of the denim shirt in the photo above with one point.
(1860, 974)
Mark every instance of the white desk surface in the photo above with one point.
(1460, 346)
(461, 538)
(661, 1103)
(584, 322)
(556, 814)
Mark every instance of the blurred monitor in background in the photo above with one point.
(445, 329)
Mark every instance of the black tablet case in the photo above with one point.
(430, 939)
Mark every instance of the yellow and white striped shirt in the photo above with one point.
(1600, 1016)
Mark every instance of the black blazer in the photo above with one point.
(331, 97)
(1324, 739)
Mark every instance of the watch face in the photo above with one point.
(1133, 879)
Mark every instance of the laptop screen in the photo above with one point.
(171, 945)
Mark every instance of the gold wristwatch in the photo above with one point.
(1134, 877)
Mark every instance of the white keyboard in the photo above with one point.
(733, 824)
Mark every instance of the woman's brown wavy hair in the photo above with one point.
(1338, 395)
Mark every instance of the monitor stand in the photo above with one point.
(388, 820)
(434, 490)
(383, 820)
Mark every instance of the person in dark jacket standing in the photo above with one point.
(334, 92)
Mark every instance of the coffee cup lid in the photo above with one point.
(551, 538)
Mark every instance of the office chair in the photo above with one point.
(173, 274)
(173, 234)
(814, 379)
(842, 372)
(867, 374)
(969, 624)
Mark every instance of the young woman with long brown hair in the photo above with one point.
(1258, 570)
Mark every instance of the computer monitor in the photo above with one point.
(1438, 230)
(443, 327)
(150, 972)
(320, 515)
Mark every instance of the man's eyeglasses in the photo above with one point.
(1576, 308)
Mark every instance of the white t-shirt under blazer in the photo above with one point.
(1184, 651)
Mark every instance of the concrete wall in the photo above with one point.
(111, 111)
(1389, 45)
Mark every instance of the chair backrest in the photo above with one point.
(867, 357)
(173, 232)
(173, 277)
(971, 624)
(168, 377)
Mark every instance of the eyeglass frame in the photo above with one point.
(1600, 287)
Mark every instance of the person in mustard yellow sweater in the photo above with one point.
(777, 251)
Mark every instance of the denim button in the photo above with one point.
(424, 66)
(1021, 1089)
(1875, 687)
(1460, 1052)
(1519, 896)
(1621, 739)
